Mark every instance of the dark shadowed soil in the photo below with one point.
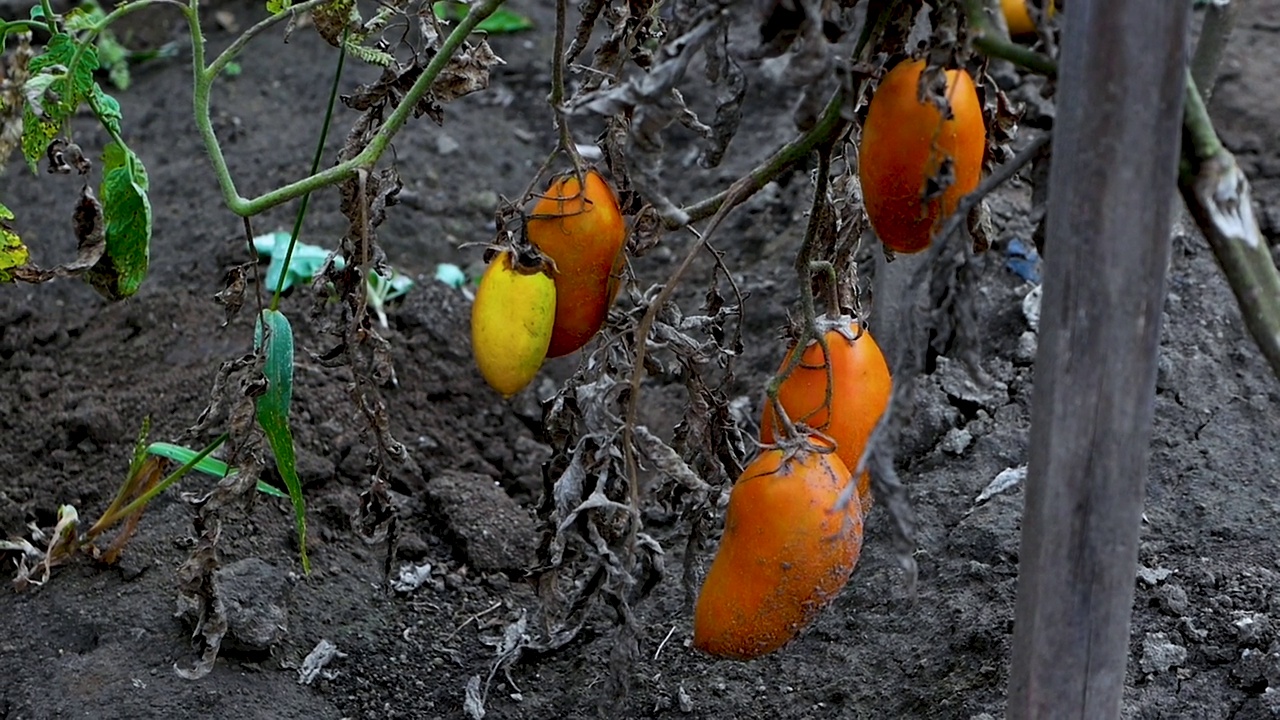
(78, 376)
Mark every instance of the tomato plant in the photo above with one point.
(915, 162)
(860, 386)
(787, 550)
(582, 231)
(511, 322)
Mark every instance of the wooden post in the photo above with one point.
(1115, 152)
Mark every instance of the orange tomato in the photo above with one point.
(786, 552)
(905, 143)
(1018, 17)
(583, 232)
(860, 391)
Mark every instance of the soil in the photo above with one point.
(81, 374)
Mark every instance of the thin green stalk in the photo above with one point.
(1217, 194)
(994, 43)
(786, 156)
(345, 170)
(24, 24)
(315, 165)
(91, 33)
(828, 127)
(220, 63)
(200, 101)
(164, 484)
(1215, 35)
(1204, 140)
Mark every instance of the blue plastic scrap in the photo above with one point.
(1022, 259)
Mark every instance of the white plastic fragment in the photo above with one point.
(411, 577)
(316, 660)
(473, 703)
(1006, 479)
(1031, 307)
(1153, 576)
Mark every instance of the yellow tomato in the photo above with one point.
(511, 324)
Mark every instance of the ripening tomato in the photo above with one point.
(1018, 17)
(511, 322)
(907, 143)
(786, 552)
(860, 391)
(583, 232)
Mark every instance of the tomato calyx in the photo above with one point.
(526, 258)
(843, 324)
(577, 200)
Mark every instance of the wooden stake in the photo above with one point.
(1115, 147)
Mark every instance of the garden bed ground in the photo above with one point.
(79, 375)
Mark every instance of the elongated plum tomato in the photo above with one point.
(1018, 17)
(511, 322)
(583, 232)
(859, 395)
(786, 552)
(905, 143)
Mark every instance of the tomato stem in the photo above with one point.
(992, 42)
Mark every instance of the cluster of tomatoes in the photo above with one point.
(552, 301)
(789, 545)
(793, 528)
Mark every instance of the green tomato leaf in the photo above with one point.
(56, 58)
(37, 133)
(53, 92)
(114, 57)
(12, 252)
(127, 213)
(274, 336)
(106, 108)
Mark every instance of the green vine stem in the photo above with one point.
(226, 56)
(786, 156)
(315, 165)
(992, 42)
(204, 78)
(1219, 22)
(23, 24)
(1217, 194)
